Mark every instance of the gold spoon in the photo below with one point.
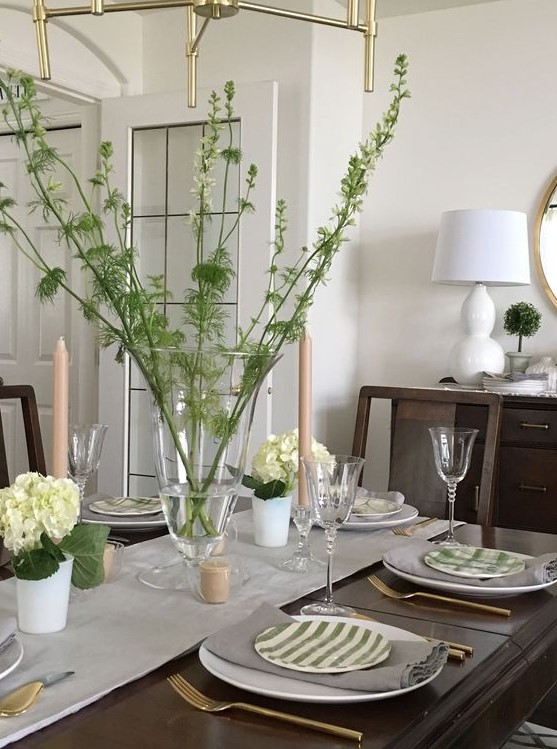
(21, 699)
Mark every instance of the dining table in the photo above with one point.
(475, 703)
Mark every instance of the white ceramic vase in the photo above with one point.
(271, 520)
(42, 605)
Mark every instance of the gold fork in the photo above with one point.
(198, 700)
(390, 593)
(409, 530)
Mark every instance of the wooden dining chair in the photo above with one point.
(411, 464)
(35, 452)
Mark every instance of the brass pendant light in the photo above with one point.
(208, 10)
(215, 9)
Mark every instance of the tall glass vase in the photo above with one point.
(202, 405)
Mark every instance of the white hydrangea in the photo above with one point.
(277, 459)
(36, 504)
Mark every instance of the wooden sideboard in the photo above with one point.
(526, 493)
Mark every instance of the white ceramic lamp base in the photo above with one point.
(477, 353)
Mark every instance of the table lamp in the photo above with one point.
(483, 248)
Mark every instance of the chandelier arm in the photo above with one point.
(39, 19)
(298, 16)
(84, 10)
(353, 14)
(195, 42)
(369, 52)
(191, 56)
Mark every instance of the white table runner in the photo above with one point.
(123, 630)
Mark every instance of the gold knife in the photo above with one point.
(456, 652)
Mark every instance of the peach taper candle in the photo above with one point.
(304, 414)
(60, 376)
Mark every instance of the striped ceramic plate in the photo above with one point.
(471, 561)
(320, 646)
(126, 506)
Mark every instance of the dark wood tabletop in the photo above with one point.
(473, 705)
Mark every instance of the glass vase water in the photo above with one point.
(202, 403)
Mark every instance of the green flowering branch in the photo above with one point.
(127, 311)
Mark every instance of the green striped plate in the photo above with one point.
(126, 506)
(320, 646)
(471, 561)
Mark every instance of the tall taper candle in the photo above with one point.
(304, 414)
(60, 372)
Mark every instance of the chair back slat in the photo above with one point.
(411, 464)
(35, 451)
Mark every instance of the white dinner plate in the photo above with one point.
(146, 523)
(10, 657)
(375, 508)
(126, 506)
(284, 688)
(405, 516)
(471, 591)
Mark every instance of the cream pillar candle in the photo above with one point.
(112, 560)
(60, 376)
(214, 580)
(304, 414)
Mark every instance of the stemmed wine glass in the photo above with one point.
(85, 443)
(302, 559)
(332, 486)
(452, 450)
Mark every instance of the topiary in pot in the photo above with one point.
(521, 319)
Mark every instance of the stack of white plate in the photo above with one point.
(519, 387)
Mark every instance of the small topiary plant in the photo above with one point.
(522, 319)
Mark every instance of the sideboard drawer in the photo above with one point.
(527, 489)
(529, 425)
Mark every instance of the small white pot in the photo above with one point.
(518, 362)
(271, 520)
(42, 605)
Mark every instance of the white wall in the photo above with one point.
(479, 132)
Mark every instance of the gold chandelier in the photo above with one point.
(208, 10)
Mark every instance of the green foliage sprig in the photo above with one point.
(126, 310)
(522, 319)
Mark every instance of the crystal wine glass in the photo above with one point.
(302, 559)
(332, 487)
(452, 450)
(85, 443)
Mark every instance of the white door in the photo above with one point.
(155, 138)
(28, 329)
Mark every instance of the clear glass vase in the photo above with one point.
(203, 405)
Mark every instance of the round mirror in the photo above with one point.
(545, 241)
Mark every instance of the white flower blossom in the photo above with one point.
(36, 504)
(277, 459)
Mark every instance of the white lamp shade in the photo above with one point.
(485, 246)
